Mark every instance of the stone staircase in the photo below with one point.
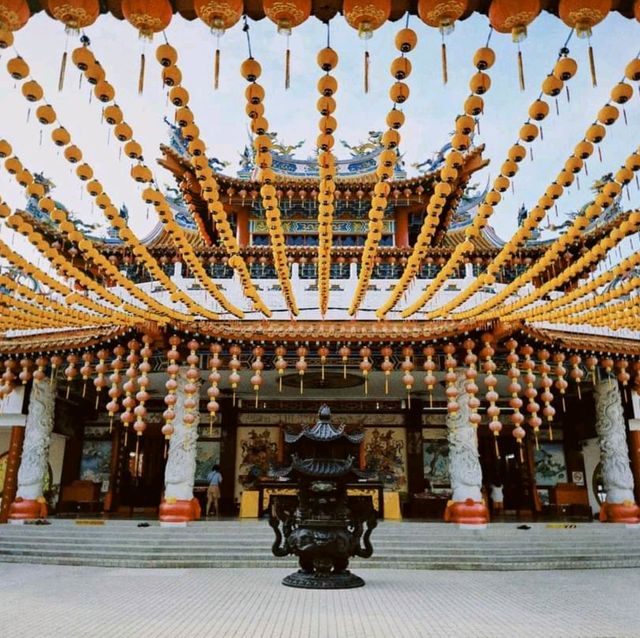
(406, 545)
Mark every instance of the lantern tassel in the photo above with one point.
(579, 393)
(280, 384)
(287, 69)
(216, 70)
(592, 67)
(210, 423)
(84, 390)
(443, 61)
(535, 436)
(256, 404)
(520, 71)
(366, 74)
(63, 67)
(141, 75)
(68, 389)
(135, 463)
(301, 384)
(550, 432)
(495, 443)
(97, 401)
(386, 385)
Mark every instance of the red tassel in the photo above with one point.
(592, 67)
(443, 60)
(63, 67)
(520, 70)
(216, 69)
(287, 69)
(141, 75)
(366, 71)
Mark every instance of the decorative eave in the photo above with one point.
(61, 340)
(581, 342)
(33, 342)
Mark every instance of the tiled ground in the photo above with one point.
(69, 602)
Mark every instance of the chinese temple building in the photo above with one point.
(471, 361)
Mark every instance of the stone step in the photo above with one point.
(222, 544)
(381, 547)
(445, 564)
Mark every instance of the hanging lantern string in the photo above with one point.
(489, 36)
(245, 28)
(479, 282)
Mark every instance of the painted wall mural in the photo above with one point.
(386, 453)
(207, 455)
(550, 464)
(96, 459)
(435, 455)
(256, 452)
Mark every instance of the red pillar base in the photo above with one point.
(23, 510)
(467, 512)
(627, 512)
(174, 511)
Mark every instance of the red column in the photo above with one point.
(402, 228)
(11, 477)
(242, 221)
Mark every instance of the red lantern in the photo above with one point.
(234, 366)
(489, 367)
(429, 368)
(386, 366)
(514, 16)
(323, 353)
(546, 395)
(280, 364)
(85, 371)
(301, 365)
(14, 14)
(583, 15)
(71, 371)
(287, 15)
(366, 16)
(219, 15)
(576, 373)
(148, 17)
(365, 367)
(344, 353)
(74, 14)
(442, 14)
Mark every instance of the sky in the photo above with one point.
(430, 110)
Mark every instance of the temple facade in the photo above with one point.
(128, 418)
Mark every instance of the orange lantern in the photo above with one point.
(366, 16)
(286, 16)
(218, 15)
(148, 17)
(514, 16)
(442, 14)
(583, 15)
(74, 14)
(14, 14)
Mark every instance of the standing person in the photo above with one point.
(214, 478)
(497, 498)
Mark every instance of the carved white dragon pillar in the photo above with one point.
(466, 506)
(30, 502)
(179, 506)
(620, 505)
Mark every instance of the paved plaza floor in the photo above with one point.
(69, 602)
